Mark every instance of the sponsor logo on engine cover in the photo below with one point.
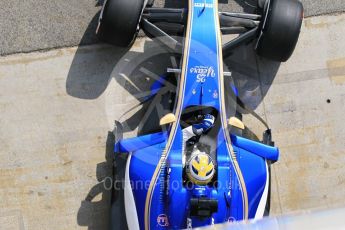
(202, 72)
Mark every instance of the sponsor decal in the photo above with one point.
(162, 220)
(202, 72)
(231, 219)
(202, 5)
(215, 94)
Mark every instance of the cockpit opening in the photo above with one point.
(200, 127)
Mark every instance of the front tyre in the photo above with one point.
(119, 21)
(281, 29)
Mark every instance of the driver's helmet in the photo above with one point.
(200, 168)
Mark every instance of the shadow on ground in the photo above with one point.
(89, 76)
(94, 209)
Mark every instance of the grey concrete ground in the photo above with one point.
(39, 24)
(57, 108)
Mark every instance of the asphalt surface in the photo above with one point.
(31, 25)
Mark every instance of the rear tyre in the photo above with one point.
(119, 21)
(280, 30)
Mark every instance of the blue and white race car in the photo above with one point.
(197, 170)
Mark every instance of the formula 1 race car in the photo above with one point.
(198, 170)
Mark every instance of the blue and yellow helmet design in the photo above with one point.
(200, 168)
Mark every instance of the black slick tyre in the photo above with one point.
(280, 30)
(119, 21)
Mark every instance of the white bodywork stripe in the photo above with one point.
(262, 205)
(130, 208)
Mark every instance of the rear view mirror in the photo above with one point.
(167, 119)
(235, 122)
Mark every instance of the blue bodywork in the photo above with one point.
(163, 200)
